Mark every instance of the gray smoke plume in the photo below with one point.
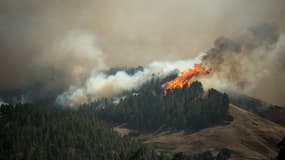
(250, 62)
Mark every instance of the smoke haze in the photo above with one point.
(63, 43)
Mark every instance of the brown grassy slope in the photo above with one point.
(248, 136)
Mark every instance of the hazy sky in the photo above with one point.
(60, 42)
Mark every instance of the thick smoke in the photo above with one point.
(58, 43)
(100, 84)
(249, 62)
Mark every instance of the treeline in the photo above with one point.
(148, 108)
(33, 132)
(224, 154)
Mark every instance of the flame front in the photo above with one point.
(185, 78)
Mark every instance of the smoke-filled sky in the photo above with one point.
(60, 42)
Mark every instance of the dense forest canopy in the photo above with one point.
(149, 109)
(33, 132)
(29, 131)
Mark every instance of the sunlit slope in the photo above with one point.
(248, 136)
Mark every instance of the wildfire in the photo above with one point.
(185, 78)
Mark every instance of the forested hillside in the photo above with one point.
(32, 132)
(149, 108)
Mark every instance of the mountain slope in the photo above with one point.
(272, 112)
(248, 136)
(190, 108)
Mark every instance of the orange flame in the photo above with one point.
(185, 78)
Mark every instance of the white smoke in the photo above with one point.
(2, 102)
(100, 85)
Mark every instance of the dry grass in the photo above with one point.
(248, 136)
